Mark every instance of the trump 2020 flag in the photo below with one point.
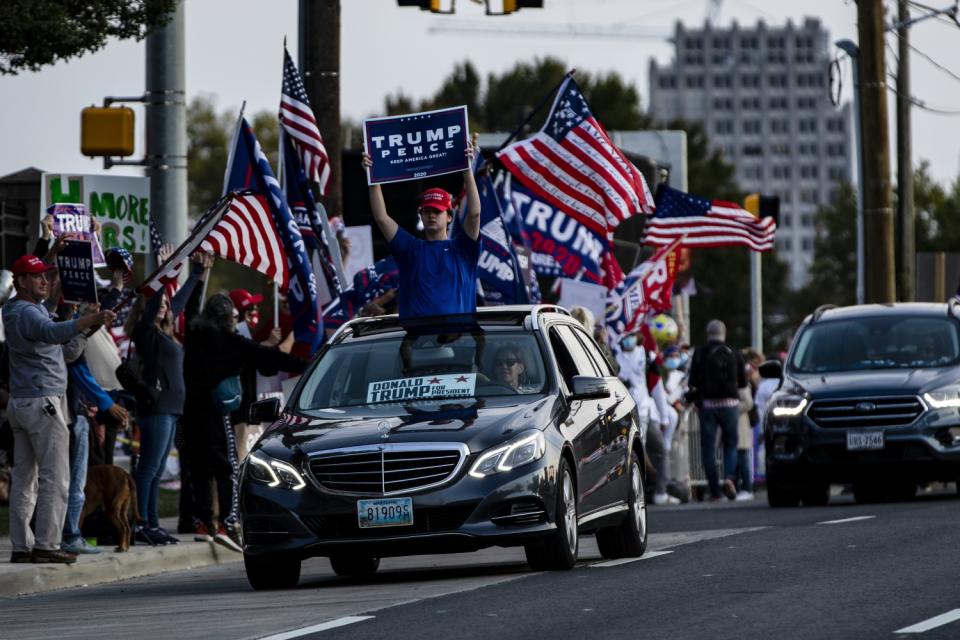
(248, 168)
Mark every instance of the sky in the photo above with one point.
(234, 52)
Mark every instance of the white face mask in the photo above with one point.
(629, 343)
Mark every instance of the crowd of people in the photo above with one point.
(172, 370)
(168, 370)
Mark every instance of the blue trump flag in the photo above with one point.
(248, 168)
(304, 207)
(498, 274)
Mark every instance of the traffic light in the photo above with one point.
(106, 131)
(510, 6)
(433, 6)
(763, 206)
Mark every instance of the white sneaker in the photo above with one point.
(663, 498)
(743, 496)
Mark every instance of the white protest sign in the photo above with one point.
(121, 204)
(574, 293)
(361, 252)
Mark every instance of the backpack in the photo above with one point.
(719, 373)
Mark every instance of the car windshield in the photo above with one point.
(890, 342)
(425, 366)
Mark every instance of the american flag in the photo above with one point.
(573, 164)
(168, 272)
(706, 223)
(246, 235)
(297, 119)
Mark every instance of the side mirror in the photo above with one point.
(266, 410)
(771, 369)
(589, 388)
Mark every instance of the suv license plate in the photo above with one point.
(864, 440)
(385, 512)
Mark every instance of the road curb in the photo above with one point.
(23, 579)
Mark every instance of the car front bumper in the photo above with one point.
(464, 514)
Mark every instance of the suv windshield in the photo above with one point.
(891, 342)
(422, 366)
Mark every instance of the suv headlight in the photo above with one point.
(944, 398)
(789, 406)
(523, 449)
(273, 473)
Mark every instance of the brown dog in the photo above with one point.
(112, 488)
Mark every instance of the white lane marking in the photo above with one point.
(932, 623)
(844, 520)
(304, 631)
(646, 556)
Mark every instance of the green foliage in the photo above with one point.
(938, 227)
(505, 100)
(833, 273)
(35, 33)
(209, 133)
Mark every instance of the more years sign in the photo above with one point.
(121, 204)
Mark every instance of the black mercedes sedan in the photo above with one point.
(502, 428)
(870, 396)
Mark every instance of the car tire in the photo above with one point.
(350, 565)
(779, 496)
(629, 538)
(272, 571)
(558, 551)
(816, 495)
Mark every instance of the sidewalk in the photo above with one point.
(110, 566)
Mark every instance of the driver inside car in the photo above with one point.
(510, 369)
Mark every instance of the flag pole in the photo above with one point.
(536, 110)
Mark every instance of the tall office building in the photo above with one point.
(763, 96)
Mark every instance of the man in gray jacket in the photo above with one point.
(37, 413)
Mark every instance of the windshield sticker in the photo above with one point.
(455, 385)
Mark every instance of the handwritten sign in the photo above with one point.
(75, 265)
(416, 145)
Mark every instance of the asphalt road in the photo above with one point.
(712, 571)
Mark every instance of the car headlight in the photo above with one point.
(273, 473)
(788, 406)
(525, 448)
(944, 398)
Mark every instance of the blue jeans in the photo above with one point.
(726, 419)
(156, 438)
(79, 454)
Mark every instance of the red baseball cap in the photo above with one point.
(436, 198)
(30, 264)
(242, 299)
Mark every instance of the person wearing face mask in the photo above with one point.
(248, 325)
(633, 360)
(214, 352)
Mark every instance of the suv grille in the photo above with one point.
(846, 413)
(387, 469)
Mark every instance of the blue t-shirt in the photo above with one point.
(437, 277)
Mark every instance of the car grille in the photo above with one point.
(387, 469)
(431, 520)
(846, 413)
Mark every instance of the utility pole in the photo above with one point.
(319, 61)
(851, 49)
(907, 259)
(166, 111)
(878, 213)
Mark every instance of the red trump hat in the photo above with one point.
(436, 198)
(30, 264)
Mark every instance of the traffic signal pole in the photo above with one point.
(166, 111)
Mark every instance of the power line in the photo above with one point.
(923, 105)
(949, 72)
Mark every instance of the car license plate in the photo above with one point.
(385, 512)
(864, 440)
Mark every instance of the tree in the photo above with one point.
(505, 100)
(937, 226)
(35, 33)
